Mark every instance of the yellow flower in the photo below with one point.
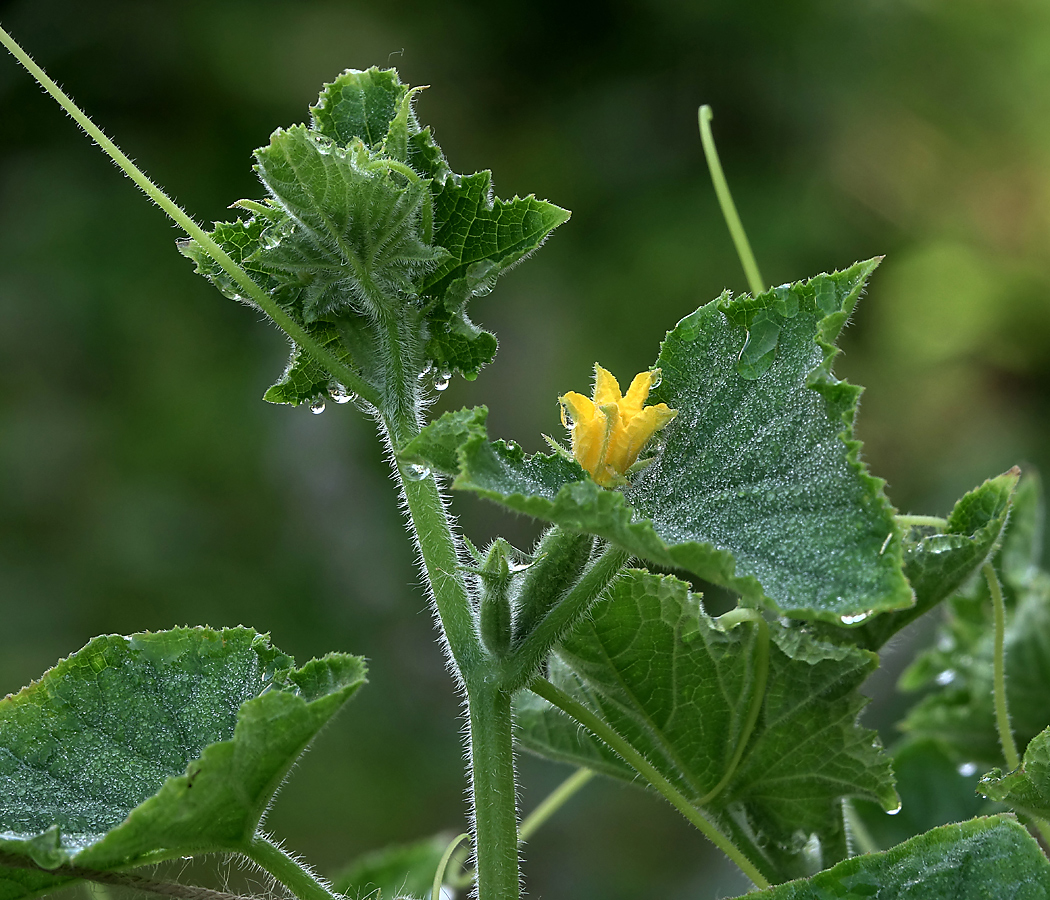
(609, 430)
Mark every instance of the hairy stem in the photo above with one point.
(494, 791)
(440, 557)
(532, 823)
(1002, 712)
(725, 200)
(600, 729)
(761, 663)
(350, 379)
(124, 879)
(534, 648)
(299, 880)
(858, 831)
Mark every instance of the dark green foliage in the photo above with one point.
(982, 858)
(679, 687)
(932, 789)
(1028, 788)
(938, 563)
(959, 712)
(142, 748)
(756, 484)
(371, 243)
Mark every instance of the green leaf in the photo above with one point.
(372, 245)
(484, 237)
(1026, 789)
(399, 870)
(937, 564)
(358, 237)
(959, 712)
(975, 860)
(679, 687)
(757, 484)
(158, 745)
(933, 792)
(18, 882)
(1023, 544)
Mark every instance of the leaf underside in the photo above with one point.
(975, 860)
(678, 687)
(756, 485)
(959, 712)
(939, 563)
(142, 748)
(372, 244)
(1028, 788)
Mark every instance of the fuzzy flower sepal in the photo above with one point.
(609, 430)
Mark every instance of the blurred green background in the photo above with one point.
(143, 482)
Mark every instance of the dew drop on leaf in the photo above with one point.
(441, 380)
(416, 472)
(855, 620)
(893, 812)
(427, 369)
(946, 677)
(967, 769)
(317, 406)
(339, 393)
(656, 380)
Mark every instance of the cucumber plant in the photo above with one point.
(732, 461)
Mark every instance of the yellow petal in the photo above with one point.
(610, 430)
(638, 392)
(606, 387)
(640, 430)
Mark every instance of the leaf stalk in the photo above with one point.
(600, 729)
(289, 872)
(1002, 712)
(529, 655)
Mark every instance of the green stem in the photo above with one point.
(725, 200)
(439, 875)
(494, 791)
(600, 729)
(1002, 713)
(531, 824)
(761, 669)
(350, 379)
(437, 547)
(858, 830)
(530, 654)
(920, 521)
(552, 803)
(301, 882)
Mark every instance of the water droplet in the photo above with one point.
(855, 620)
(416, 472)
(519, 566)
(339, 393)
(427, 369)
(760, 347)
(441, 380)
(946, 677)
(967, 769)
(656, 378)
(893, 812)
(317, 406)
